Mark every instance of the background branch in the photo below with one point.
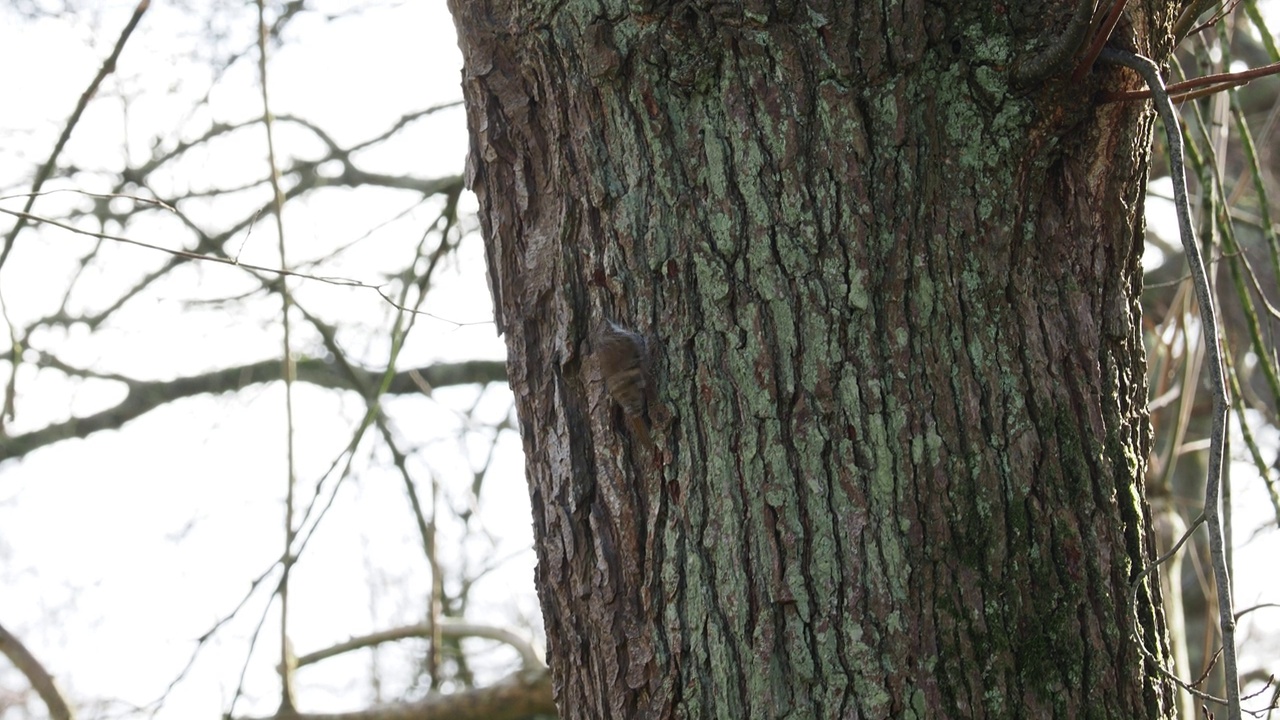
(518, 695)
(39, 678)
(145, 396)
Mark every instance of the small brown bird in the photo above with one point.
(623, 358)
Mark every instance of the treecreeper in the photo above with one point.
(622, 357)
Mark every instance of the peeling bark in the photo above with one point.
(891, 305)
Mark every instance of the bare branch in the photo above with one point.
(1201, 86)
(449, 628)
(519, 695)
(145, 396)
(40, 678)
(1213, 351)
(108, 67)
(1054, 58)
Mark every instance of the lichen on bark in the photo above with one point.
(892, 303)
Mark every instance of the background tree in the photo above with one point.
(886, 260)
(145, 387)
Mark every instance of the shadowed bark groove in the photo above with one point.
(892, 305)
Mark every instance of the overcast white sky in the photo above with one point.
(117, 552)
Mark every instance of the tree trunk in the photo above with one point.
(895, 378)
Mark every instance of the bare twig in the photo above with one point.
(427, 531)
(448, 627)
(1194, 10)
(1206, 85)
(1225, 9)
(1259, 606)
(248, 656)
(156, 705)
(1213, 350)
(1100, 37)
(108, 67)
(286, 361)
(188, 255)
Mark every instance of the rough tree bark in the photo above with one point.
(891, 300)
